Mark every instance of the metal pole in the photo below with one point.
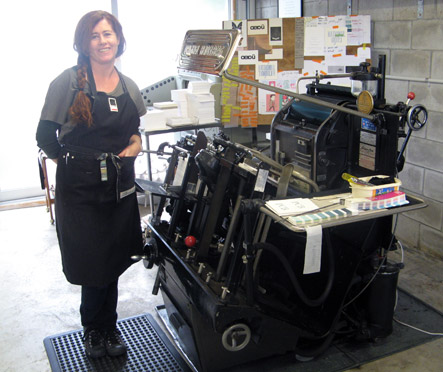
(297, 96)
(114, 8)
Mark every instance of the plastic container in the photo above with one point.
(363, 191)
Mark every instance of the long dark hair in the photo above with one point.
(80, 110)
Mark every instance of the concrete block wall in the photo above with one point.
(412, 40)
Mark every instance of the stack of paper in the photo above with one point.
(180, 97)
(165, 105)
(156, 118)
(196, 102)
(199, 87)
(178, 122)
(291, 207)
(201, 108)
(389, 200)
(153, 119)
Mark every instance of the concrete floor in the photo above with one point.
(36, 301)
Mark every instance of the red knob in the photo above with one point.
(190, 241)
(411, 95)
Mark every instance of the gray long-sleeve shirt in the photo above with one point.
(59, 98)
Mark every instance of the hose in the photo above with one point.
(294, 281)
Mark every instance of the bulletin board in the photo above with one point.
(279, 51)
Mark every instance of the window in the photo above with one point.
(154, 31)
(37, 38)
(37, 46)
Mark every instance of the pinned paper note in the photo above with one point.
(276, 31)
(277, 53)
(247, 57)
(241, 26)
(313, 249)
(258, 27)
(293, 206)
(266, 70)
(262, 178)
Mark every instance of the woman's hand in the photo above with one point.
(134, 147)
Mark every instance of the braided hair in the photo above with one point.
(80, 110)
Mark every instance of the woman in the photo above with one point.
(89, 126)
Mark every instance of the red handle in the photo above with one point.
(190, 241)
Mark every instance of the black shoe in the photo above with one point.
(114, 343)
(94, 344)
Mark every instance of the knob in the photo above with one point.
(411, 96)
(190, 241)
(150, 254)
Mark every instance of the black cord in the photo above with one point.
(286, 265)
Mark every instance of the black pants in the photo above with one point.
(98, 308)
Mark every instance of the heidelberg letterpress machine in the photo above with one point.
(230, 270)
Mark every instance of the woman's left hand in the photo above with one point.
(134, 147)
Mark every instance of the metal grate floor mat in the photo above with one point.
(149, 349)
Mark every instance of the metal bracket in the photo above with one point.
(420, 9)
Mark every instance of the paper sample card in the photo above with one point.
(277, 53)
(313, 249)
(260, 182)
(259, 27)
(359, 30)
(276, 31)
(247, 57)
(266, 70)
(314, 43)
(336, 36)
(238, 25)
(288, 207)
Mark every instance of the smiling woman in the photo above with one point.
(95, 110)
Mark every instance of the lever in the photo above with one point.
(411, 96)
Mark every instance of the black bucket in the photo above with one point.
(381, 297)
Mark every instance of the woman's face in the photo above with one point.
(104, 43)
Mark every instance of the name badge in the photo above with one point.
(113, 104)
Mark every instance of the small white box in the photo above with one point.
(363, 191)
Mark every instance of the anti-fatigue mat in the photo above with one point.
(149, 349)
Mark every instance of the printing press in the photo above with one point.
(231, 272)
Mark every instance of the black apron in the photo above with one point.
(97, 216)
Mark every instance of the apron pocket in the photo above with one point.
(127, 177)
(79, 179)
